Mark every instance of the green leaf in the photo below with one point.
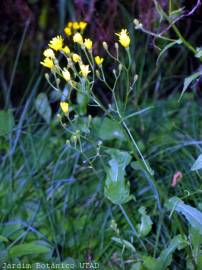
(197, 164)
(165, 258)
(43, 108)
(136, 266)
(108, 129)
(117, 189)
(193, 215)
(124, 243)
(145, 226)
(196, 241)
(6, 122)
(32, 248)
(188, 81)
(3, 239)
(150, 263)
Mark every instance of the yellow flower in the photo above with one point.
(84, 70)
(77, 38)
(82, 25)
(64, 106)
(68, 31)
(75, 25)
(49, 53)
(88, 43)
(66, 50)
(124, 38)
(56, 43)
(66, 75)
(99, 60)
(76, 58)
(48, 62)
(69, 24)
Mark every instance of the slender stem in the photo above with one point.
(131, 225)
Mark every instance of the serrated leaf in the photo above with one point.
(117, 188)
(31, 248)
(6, 122)
(197, 164)
(189, 80)
(43, 108)
(193, 215)
(145, 226)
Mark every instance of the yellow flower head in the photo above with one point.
(82, 25)
(77, 38)
(56, 43)
(66, 75)
(49, 53)
(69, 24)
(84, 70)
(48, 62)
(124, 38)
(88, 43)
(75, 25)
(64, 106)
(66, 50)
(99, 60)
(76, 58)
(68, 31)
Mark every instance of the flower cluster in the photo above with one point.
(79, 65)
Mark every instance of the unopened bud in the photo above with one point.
(47, 76)
(97, 73)
(120, 67)
(104, 43)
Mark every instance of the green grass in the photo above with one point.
(49, 194)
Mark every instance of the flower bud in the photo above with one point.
(104, 43)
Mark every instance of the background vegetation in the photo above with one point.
(53, 207)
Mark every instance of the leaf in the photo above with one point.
(32, 248)
(136, 266)
(145, 226)
(43, 108)
(193, 215)
(165, 258)
(124, 243)
(197, 164)
(117, 189)
(171, 44)
(3, 238)
(188, 81)
(6, 122)
(150, 263)
(108, 129)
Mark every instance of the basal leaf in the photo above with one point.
(197, 164)
(146, 223)
(117, 188)
(32, 248)
(193, 215)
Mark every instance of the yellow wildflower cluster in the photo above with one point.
(76, 66)
(71, 27)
